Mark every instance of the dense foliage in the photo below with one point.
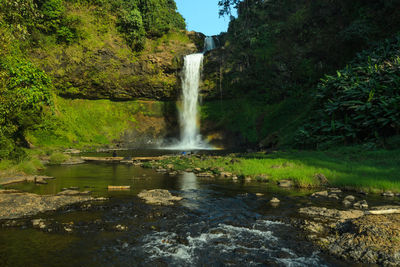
(24, 92)
(277, 51)
(361, 103)
(37, 35)
(277, 48)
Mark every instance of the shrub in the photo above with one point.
(361, 103)
(58, 158)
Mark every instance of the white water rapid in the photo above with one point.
(191, 138)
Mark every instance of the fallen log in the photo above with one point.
(123, 159)
(103, 159)
(119, 187)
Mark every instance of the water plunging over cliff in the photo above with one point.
(190, 133)
(188, 118)
(209, 43)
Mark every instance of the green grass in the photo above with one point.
(352, 167)
(58, 158)
(29, 165)
(82, 123)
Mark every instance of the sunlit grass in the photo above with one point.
(372, 171)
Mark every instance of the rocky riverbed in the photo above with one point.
(351, 225)
(15, 204)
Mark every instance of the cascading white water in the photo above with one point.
(188, 118)
(190, 134)
(209, 43)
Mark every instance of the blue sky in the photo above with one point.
(202, 16)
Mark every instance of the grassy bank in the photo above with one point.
(370, 171)
(83, 123)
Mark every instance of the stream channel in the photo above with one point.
(218, 223)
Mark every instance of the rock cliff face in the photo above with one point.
(110, 70)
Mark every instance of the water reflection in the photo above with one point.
(190, 190)
(187, 181)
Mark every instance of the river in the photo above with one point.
(218, 223)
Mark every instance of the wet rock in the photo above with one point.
(39, 223)
(189, 170)
(346, 203)
(361, 204)
(73, 188)
(161, 170)
(73, 193)
(40, 181)
(9, 191)
(120, 227)
(321, 179)
(197, 170)
(333, 196)
(313, 227)
(334, 190)
(73, 161)
(372, 239)
(274, 200)
(350, 198)
(158, 197)
(72, 151)
(226, 174)
(259, 194)
(388, 194)
(331, 213)
(205, 174)
(285, 183)
(320, 194)
(174, 173)
(18, 205)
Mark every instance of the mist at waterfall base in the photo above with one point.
(190, 137)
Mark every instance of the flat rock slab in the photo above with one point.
(18, 205)
(24, 178)
(158, 197)
(384, 210)
(331, 213)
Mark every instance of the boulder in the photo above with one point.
(388, 194)
(361, 204)
(320, 194)
(274, 200)
(158, 197)
(350, 198)
(226, 174)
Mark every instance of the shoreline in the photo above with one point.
(351, 231)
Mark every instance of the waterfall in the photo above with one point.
(191, 138)
(209, 43)
(190, 134)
